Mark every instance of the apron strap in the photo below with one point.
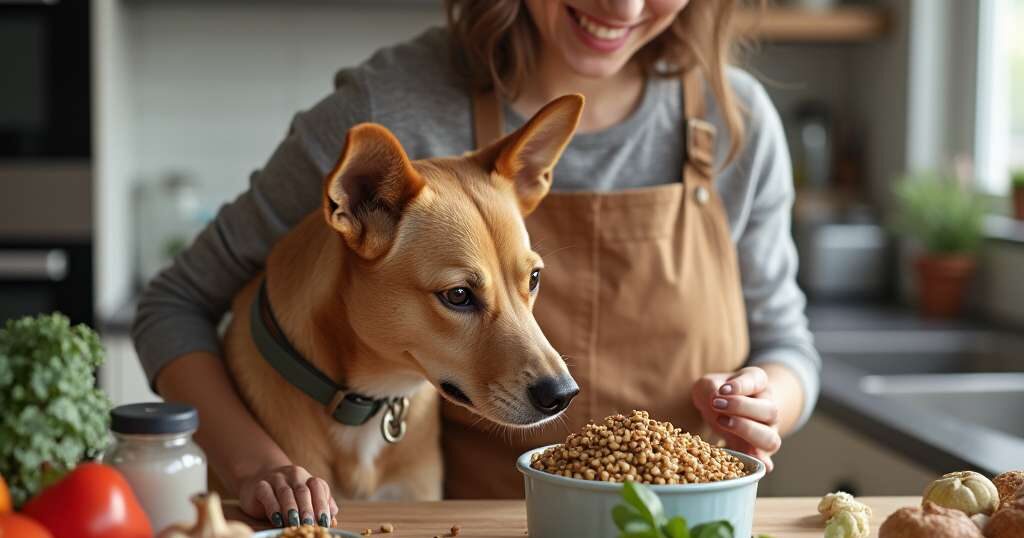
(488, 118)
(698, 134)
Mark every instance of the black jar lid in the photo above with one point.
(154, 418)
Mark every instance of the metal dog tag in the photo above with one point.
(392, 424)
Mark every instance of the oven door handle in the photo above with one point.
(33, 264)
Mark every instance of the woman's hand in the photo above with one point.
(740, 407)
(288, 495)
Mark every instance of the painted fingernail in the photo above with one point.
(725, 421)
(324, 520)
(720, 403)
(293, 518)
(725, 389)
(277, 520)
(307, 521)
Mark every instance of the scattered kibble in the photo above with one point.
(387, 528)
(305, 531)
(455, 530)
(367, 532)
(638, 449)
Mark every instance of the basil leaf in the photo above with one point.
(623, 515)
(645, 502)
(676, 528)
(714, 529)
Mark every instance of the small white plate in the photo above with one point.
(277, 532)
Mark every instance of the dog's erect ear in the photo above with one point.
(527, 156)
(366, 192)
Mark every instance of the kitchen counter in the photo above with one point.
(780, 517)
(893, 376)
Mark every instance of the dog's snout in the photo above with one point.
(551, 395)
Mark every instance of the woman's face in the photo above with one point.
(596, 38)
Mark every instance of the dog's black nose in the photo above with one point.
(551, 395)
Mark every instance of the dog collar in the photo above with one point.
(345, 407)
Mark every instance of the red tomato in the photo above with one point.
(17, 526)
(93, 501)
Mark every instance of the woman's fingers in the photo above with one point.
(705, 388)
(321, 494)
(296, 477)
(265, 496)
(766, 459)
(760, 436)
(745, 382)
(304, 501)
(286, 499)
(759, 409)
(739, 444)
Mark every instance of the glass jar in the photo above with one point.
(153, 449)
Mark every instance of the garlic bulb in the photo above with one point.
(840, 501)
(210, 522)
(967, 491)
(849, 524)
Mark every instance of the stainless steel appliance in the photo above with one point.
(844, 260)
(45, 94)
(38, 276)
(45, 147)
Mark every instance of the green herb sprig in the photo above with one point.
(942, 215)
(643, 516)
(53, 416)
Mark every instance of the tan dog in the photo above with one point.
(415, 273)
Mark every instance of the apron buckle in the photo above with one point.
(700, 143)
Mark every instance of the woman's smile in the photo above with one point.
(597, 38)
(598, 34)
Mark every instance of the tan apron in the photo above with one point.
(641, 291)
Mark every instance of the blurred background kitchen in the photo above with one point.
(124, 124)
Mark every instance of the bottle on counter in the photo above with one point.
(154, 450)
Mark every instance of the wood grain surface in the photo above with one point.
(780, 517)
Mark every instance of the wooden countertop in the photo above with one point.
(780, 517)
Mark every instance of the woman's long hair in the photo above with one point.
(496, 43)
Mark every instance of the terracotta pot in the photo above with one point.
(942, 283)
(1018, 201)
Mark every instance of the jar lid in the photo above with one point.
(154, 418)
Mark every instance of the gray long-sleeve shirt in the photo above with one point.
(413, 90)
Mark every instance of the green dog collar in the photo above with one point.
(345, 407)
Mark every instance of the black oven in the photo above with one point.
(44, 65)
(38, 277)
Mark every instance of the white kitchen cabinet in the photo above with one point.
(121, 376)
(827, 455)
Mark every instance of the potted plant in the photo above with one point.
(53, 415)
(945, 219)
(1017, 190)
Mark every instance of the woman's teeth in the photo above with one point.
(598, 30)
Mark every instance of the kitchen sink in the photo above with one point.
(980, 399)
(919, 383)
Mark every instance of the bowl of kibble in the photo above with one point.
(571, 487)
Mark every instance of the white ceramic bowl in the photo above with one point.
(560, 507)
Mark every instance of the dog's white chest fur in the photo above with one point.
(364, 441)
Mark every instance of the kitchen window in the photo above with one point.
(999, 140)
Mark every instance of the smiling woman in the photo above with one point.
(499, 43)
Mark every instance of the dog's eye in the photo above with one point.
(534, 279)
(457, 297)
